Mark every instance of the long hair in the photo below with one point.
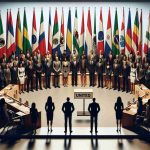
(119, 100)
(33, 106)
(49, 101)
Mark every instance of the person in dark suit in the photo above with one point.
(68, 109)
(14, 73)
(94, 109)
(1, 78)
(49, 108)
(119, 109)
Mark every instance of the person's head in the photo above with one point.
(94, 99)
(20, 65)
(140, 100)
(133, 65)
(49, 100)
(33, 105)
(119, 100)
(68, 99)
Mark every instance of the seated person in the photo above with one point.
(147, 114)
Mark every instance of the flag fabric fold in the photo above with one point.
(140, 39)
(50, 33)
(94, 34)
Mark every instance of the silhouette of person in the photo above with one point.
(49, 108)
(94, 109)
(68, 109)
(119, 109)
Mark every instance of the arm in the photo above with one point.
(73, 108)
(98, 109)
(63, 108)
(89, 108)
(53, 106)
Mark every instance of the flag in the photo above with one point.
(76, 34)
(26, 42)
(140, 41)
(115, 45)
(7, 18)
(81, 49)
(2, 40)
(55, 41)
(100, 35)
(88, 38)
(19, 47)
(122, 36)
(94, 33)
(69, 36)
(128, 38)
(10, 39)
(34, 34)
(62, 35)
(135, 34)
(42, 43)
(108, 42)
(147, 40)
(50, 34)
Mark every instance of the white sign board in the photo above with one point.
(83, 93)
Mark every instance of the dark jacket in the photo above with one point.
(94, 109)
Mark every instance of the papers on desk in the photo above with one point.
(20, 113)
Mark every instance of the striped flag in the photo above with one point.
(34, 34)
(122, 36)
(19, 47)
(42, 43)
(10, 39)
(135, 34)
(88, 38)
(108, 42)
(62, 35)
(128, 38)
(100, 35)
(94, 33)
(2, 40)
(81, 49)
(26, 42)
(140, 40)
(76, 34)
(55, 41)
(50, 34)
(7, 18)
(115, 45)
(69, 36)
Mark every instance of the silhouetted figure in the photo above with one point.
(119, 109)
(139, 106)
(94, 109)
(68, 109)
(49, 108)
(34, 117)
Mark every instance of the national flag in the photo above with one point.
(19, 47)
(50, 34)
(76, 34)
(7, 18)
(135, 34)
(42, 43)
(81, 49)
(69, 36)
(100, 35)
(26, 42)
(128, 38)
(88, 38)
(62, 35)
(2, 40)
(55, 41)
(108, 42)
(140, 39)
(115, 45)
(122, 36)
(94, 33)
(11, 47)
(34, 34)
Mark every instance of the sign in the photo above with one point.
(83, 93)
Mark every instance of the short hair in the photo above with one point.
(68, 98)
(94, 99)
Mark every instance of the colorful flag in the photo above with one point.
(81, 49)
(55, 41)
(2, 40)
(140, 40)
(128, 38)
(76, 34)
(94, 33)
(34, 34)
(19, 47)
(62, 35)
(42, 43)
(135, 34)
(26, 42)
(7, 18)
(122, 36)
(100, 35)
(11, 47)
(50, 34)
(115, 45)
(108, 42)
(69, 36)
(88, 38)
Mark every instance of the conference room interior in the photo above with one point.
(19, 134)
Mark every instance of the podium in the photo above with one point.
(83, 94)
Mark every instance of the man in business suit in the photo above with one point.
(68, 109)
(94, 109)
